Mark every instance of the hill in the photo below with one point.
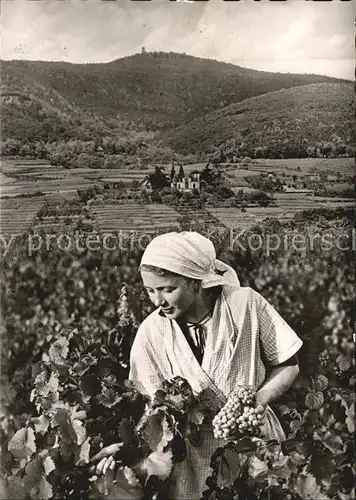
(42, 115)
(291, 122)
(151, 91)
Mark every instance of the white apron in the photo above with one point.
(243, 324)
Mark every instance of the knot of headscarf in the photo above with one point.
(189, 254)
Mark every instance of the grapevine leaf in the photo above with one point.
(314, 400)
(90, 386)
(322, 466)
(280, 467)
(43, 489)
(350, 418)
(59, 350)
(230, 465)
(66, 450)
(295, 425)
(23, 444)
(122, 488)
(272, 481)
(41, 424)
(79, 430)
(84, 453)
(33, 473)
(320, 383)
(284, 410)
(155, 430)
(307, 488)
(84, 364)
(72, 431)
(346, 496)
(48, 465)
(15, 488)
(208, 402)
(257, 468)
(158, 463)
(109, 397)
(343, 405)
(343, 363)
(331, 441)
(46, 385)
(19, 467)
(48, 402)
(296, 460)
(245, 445)
(60, 417)
(179, 449)
(176, 400)
(127, 432)
(195, 415)
(76, 414)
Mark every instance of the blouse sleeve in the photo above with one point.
(144, 367)
(279, 342)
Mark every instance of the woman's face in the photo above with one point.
(174, 294)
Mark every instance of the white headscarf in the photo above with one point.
(189, 254)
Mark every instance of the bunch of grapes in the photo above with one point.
(239, 415)
(341, 374)
(324, 358)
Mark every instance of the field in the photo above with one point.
(308, 165)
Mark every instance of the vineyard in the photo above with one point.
(69, 319)
(132, 216)
(235, 218)
(18, 215)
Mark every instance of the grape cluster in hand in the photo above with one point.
(239, 416)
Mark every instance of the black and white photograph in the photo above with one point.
(177, 250)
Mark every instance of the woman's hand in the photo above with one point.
(106, 463)
(106, 459)
(261, 402)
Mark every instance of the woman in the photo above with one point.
(212, 332)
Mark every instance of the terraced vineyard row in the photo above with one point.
(200, 216)
(134, 217)
(233, 218)
(16, 216)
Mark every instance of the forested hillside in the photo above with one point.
(154, 89)
(290, 122)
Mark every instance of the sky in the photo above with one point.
(296, 36)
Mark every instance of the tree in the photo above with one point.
(181, 173)
(210, 176)
(158, 179)
(224, 192)
(328, 149)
